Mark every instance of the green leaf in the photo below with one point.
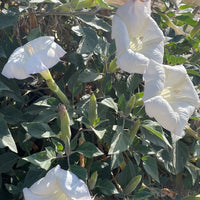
(155, 133)
(106, 187)
(116, 160)
(6, 139)
(181, 158)
(99, 133)
(122, 103)
(43, 158)
(131, 186)
(74, 85)
(150, 166)
(8, 18)
(109, 102)
(95, 22)
(102, 4)
(89, 150)
(89, 40)
(34, 33)
(38, 129)
(120, 142)
(89, 75)
(4, 87)
(80, 172)
(7, 160)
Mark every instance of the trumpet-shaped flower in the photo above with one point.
(169, 96)
(137, 36)
(58, 184)
(34, 57)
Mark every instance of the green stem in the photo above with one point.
(54, 88)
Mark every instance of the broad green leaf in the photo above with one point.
(102, 4)
(38, 129)
(95, 22)
(4, 87)
(34, 33)
(106, 187)
(150, 166)
(155, 130)
(7, 160)
(43, 158)
(89, 40)
(74, 85)
(131, 186)
(133, 82)
(122, 103)
(180, 157)
(80, 172)
(109, 102)
(129, 172)
(89, 150)
(89, 75)
(99, 132)
(116, 160)
(6, 139)
(8, 18)
(120, 142)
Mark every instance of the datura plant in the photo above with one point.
(99, 99)
(137, 36)
(58, 184)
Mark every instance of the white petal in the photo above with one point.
(160, 109)
(41, 43)
(153, 41)
(41, 61)
(58, 184)
(184, 110)
(15, 67)
(177, 77)
(120, 34)
(132, 62)
(154, 78)
(134, 15)
(72, 186)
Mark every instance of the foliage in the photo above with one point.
(115, 148)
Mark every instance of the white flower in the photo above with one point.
(34, 57)
(58, 184)
(169, 96)
(137, 36)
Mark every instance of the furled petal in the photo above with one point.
(137, 36)
(154, 77)
(34, 57)
(58, 184)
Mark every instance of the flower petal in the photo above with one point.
(160, 109)
(134, 14)
(120, 34)
(71, 185)
(58, 184)
(132, 62)
(177, 77)
(154, 78)
(15, 67)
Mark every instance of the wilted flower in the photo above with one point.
(58, 184)
(169, 96)
(137, 36)
(34, 57)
